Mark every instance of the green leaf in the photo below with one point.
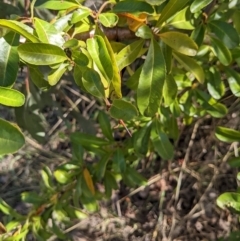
(6, 209)
(234, 162)
(124, 110)
(92, 83)
(229, 200)
(37, 78)
(105, 125)
(55, 75)
(11, 138)
(132, 177)
(225, 32)
(169, 90)
(20, 28)
(7, 10)
(100, 168)
(215, 84)
(144, 32)
(180, 42)
(80, 14)
(9, 60)
(151, 82)
(182, 20)
(47, 177)
(172, 7)
(167, 52)
(88, 140)
(32, 197)
(141, 139)
(47, 33)
(197, 5)
(163, 146)
(119, 160)
(41, 54)
(129, 54)
(191, 65)
(227, 134)
(109, 183)
(198, 34)
(108, 19)
(56, 5)
(133, 6)
(132, 82)
(10, 97)
(62, 176)
(209, 104)
(233, 78)
(100, 56)
(221, 51)
(116, 79)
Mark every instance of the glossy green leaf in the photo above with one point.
(229, 200)
(225, 32)
(63, 23)
(8, 210)
(56, 5)
(221, 51)
(141, 139)
(172, 7)
(198, 34)
(11, 97)
(80, 58)
(80, 14)
(129, 54)
(163, 146)
(89, 203)
(144, 32)
(169, 90)
(215, 84)
(197, 5)
(124, 110)
(226, 134)
(9, 60)
(62, 176)
(133, 7)
(236, 20)
(233, 78)
(119, 160)
(20, 28)
(11, 138)
(172, 126)
(182, 20)
(116, 78)
(37, 78)
(108, 19)
(92, 83)
(41, 54)
(180, 42)
(99, 53)
(191, 65)
(105, 125)
(88, 140)
(47, 33)
(56, 74)
(151, 82)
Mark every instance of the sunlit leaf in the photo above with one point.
(41, 54)
(180, 42)
(197, 5)
(226, 134)
(151, 82)
(108, 19)
(11, 97)
(11, 138)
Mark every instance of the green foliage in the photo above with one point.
(173, 65)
